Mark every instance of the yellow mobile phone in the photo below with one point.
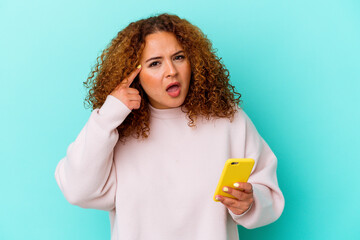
(235, 170)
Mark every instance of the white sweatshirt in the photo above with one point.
(162, 188)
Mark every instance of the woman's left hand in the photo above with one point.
(243, 193)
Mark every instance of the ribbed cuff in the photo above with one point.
(236, 216)
(113, 111)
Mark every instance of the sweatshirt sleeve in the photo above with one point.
(87, 175)
(268, 199)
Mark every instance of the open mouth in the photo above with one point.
(173, 89)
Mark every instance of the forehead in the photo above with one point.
(161, 43)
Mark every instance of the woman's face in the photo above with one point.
(166, 72)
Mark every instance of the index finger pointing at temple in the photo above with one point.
(132, 76)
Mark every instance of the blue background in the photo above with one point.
(296, 64)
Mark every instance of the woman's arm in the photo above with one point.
(87, 175)
(268, 199)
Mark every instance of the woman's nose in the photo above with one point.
(170, 69)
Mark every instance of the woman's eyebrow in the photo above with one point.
(154, 58)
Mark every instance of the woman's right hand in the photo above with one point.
(127, 95)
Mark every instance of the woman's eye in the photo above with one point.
(153, 64)
(179, 57)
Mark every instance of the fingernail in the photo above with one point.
(225, 189)
(236, 185)
(139, 66)
(218, 198)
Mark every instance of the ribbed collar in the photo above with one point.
(166, 113)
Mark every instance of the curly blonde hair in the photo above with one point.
(210, 93)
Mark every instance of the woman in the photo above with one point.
(165, 120)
